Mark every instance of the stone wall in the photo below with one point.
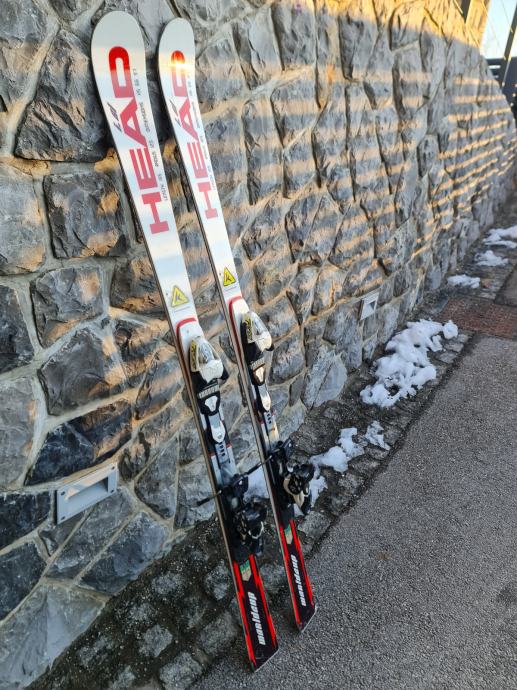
(357, 146)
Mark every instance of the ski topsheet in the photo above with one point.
(118, 58)
(176, 61)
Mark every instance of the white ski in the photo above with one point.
(287, 482)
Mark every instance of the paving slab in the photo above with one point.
(508, 294)
(417, 584)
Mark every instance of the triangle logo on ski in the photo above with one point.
(228, 278)
(178, 297)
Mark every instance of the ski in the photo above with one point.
(118, 58)
(288, 483)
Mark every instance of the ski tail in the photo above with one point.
(259, 631)
(118, 58)
(176, 61)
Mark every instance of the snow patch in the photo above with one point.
(488, 258)
(375, 437)
(408, 368)
(502, 237)
(462, 280)
(339, 456)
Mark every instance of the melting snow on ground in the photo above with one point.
(401, 373)
(488, 258)
(502, 237)
(337, 458)
(463, 280)
(375, 437)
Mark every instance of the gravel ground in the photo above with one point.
(417, 584)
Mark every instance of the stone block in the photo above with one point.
(358, 35)
(224, 139)
(85, 368)
(154, 641)
(405, 193)
(218, 582)
(20, 570)
(296, 31)
(301, 292)
(263, 149)
(279, 318)
(354, 239)
(264, 228)
(82, 442)
(156, 486)
(299, 168)
(63, 298)
(24, 30)
(161, 383)
(86, 215)
(64, 122)
(288, 359)
(137, 342)
(406, 24)
(17, 425)
(134, 288)
(428, 154)
(15, 344)
(330, 133)
(378, 82)
(329, 287)
(181, 673)
(433, 50)
(100, 525)
(294, 108)
(328, 58)
(218, 635)
(256, 46)
(274, 270)
(218, 74)
(136, 547)
(325, 379)
(46, 624)
(193, 486)
(21, 513)
(409, 84)
(390, 143)
(22, 233)
(311, 227)
(342, 331)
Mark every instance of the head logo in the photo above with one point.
(128, 123)
(195, 159)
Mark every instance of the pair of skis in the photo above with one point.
(118, 58)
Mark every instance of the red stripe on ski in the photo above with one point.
(240, 599)
(191, 319)
(258, 582)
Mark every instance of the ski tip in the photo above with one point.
(177, 35)
(124, 23)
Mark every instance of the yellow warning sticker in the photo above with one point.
(178, 298)
(228, 278)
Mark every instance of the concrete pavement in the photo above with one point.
(417, 584)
